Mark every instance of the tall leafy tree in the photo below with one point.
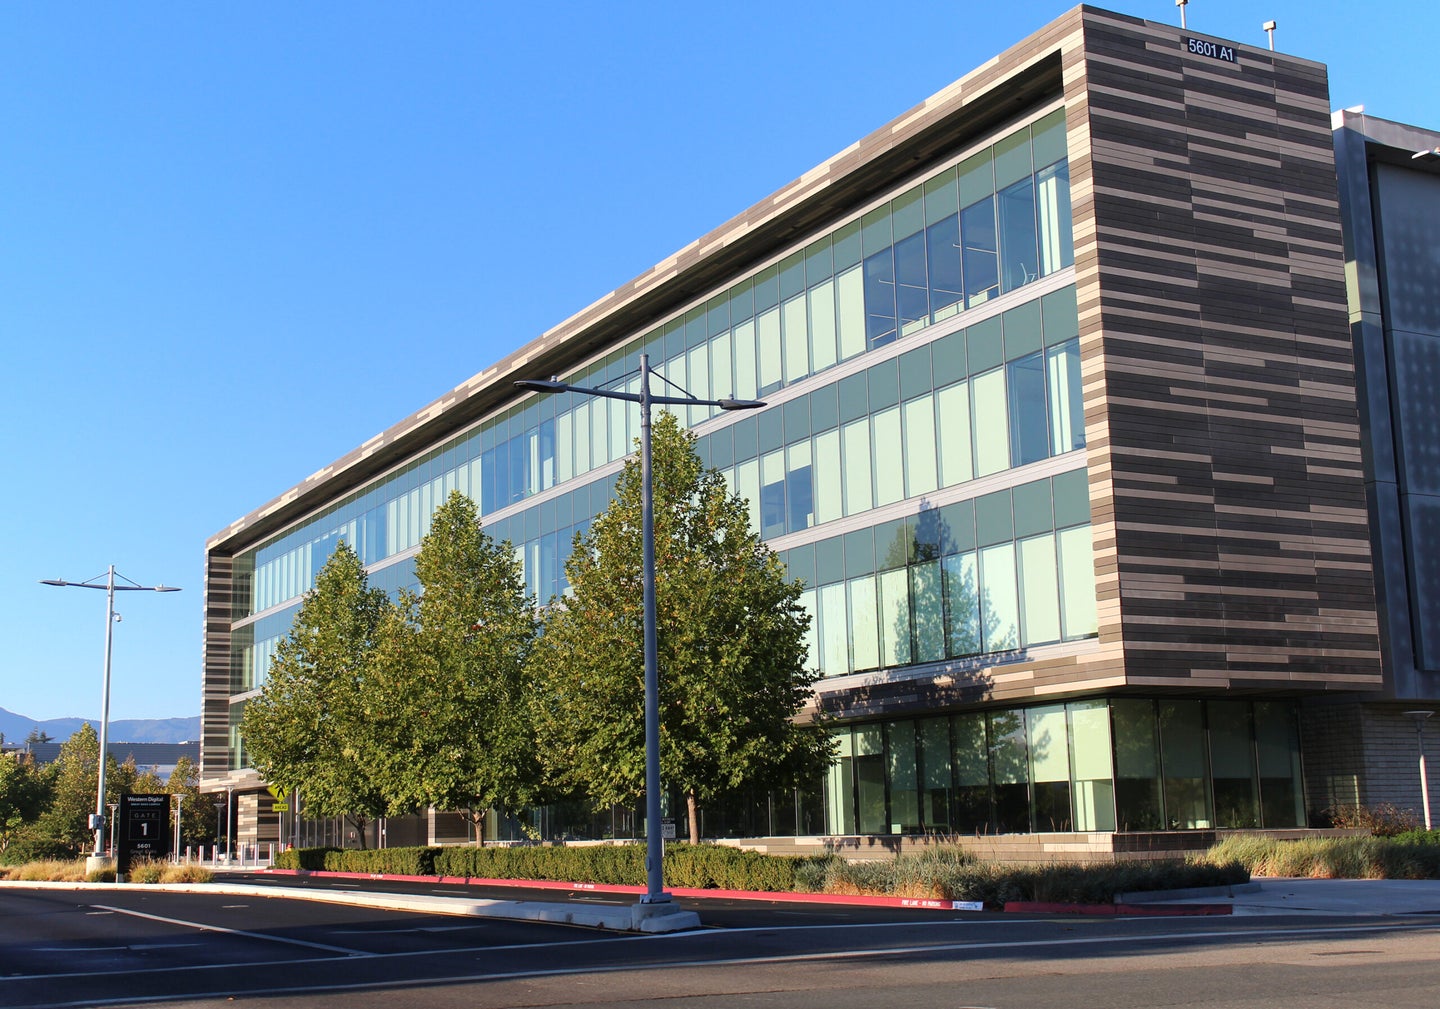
(451, 720)
(309, 724)
(24, 793)
(73, 796)
(731, 637)
(197, 815)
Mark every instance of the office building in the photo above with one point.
(1063, 438)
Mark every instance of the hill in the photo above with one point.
(16, 727)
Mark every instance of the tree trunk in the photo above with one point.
(692, 806)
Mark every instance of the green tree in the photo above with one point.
(731, 638)
(73, 791)
(197, 814)
(24, 794)
(449, 717)
(309, 724)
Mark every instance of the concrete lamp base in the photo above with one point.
(662, 916)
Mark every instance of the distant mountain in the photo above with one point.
(122, 730)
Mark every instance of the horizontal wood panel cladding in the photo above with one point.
(1219, 382)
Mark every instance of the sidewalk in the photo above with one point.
(1276, 895)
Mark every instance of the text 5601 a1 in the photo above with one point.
(1201, 47)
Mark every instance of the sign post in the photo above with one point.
(142, 834)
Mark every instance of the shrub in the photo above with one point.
(1383, 819)
(146, 871)
(1335, 857)
(186, 873)
(54, 870)
(35, 849)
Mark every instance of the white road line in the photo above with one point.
(737, 962)
(234, 931)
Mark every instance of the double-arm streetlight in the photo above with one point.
(97, 820)
(654, 849)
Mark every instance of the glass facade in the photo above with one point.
(1089, 765)
(968, 402)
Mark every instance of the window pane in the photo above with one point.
(880, 298)
(1040, 589)
(900, 767)
(857, 467)
(942, 255)
(1009, 771)
(767, 328)
(953, 404)
(1232, 765)
(927, 602)
(864, 630)
(1029, 439)
(1277, 744)
(889, 463)
(745, 386)
(992, 434)
(1182, 753)
(999, 612)
(1057, 241)
(962, 605)
(772, 495)
(1077, 582)
(870, 779)
(969, 757)
(1137, 765)
(1092, 787)
(822, 325)
(834, 630)
(1049, 746)
(912, 285)
(828, 494)
(852, 312)
(934, 776)
(895, 618)
(1019, 261)
(919, 452)
(797, 339)
(1067, 407)
(799, 488)
(982, 264)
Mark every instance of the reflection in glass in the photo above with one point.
(1049, 751)
(1090, 774)
(1137, 765)
(1008, 771)
(1182, 751)
(1232, 765)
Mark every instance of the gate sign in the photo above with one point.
(141, 833)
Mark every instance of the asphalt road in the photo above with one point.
(122, 946)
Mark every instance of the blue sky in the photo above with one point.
(238, 240)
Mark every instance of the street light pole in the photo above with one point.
(1419, 718)
(656, 903)
(97, 821)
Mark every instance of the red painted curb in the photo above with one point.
(713, 894)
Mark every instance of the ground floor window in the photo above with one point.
(1099, 764)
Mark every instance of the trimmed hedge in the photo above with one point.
(939, 873)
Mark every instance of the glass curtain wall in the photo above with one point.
(1090, 765)
(967, 234)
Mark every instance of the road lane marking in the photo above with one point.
(235, 931)
(731, 962)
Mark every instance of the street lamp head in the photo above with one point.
(541, 385)
(740, 404)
